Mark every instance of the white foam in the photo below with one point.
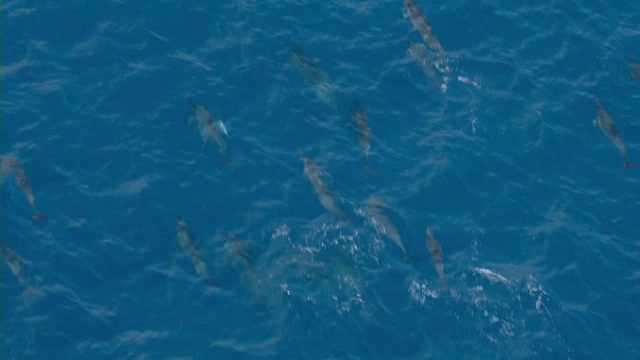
(222, 127)
(491, 275)
(466, 80)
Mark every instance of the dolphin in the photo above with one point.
(634, 68)
(605, 123)
(362, 126)
(419, 52)
(248, 277)
(308, 67)
(313, 173)
(10, 163)
(318, 79)
(208, 127)
(435, 249)
(412, 12)
(5, 167)
(14, 262)
(23, 183)
(383, 225)
(188, 244)
(240, 248)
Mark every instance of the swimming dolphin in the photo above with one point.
(208, 128)
(5, 167)
(634, 68)
(605, 123)
(318, 79)
(188, 244)
(412, 12)
(10, 163)
(383, 225)
(362, 126)
(419, 52)
(13, 261)
(248, 277)
(313, 173)
(435, 249)
(240, 248)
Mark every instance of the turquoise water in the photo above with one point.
(491, 144)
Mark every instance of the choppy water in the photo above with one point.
(490, 144)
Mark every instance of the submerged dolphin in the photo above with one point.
(605, 123)
(419, 52)
(208, 128)
(5, 167)
(240, 248)
(318, 79)
(313, 173)
(435, 249)
(188, 244)
(634, 69)
(10, 164)
(412, 12)
(383, 225)
(13, 262)
(362, 126)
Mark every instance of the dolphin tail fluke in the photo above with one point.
(28, 291)
(376, 202)
(629, 164)
(368, 170)
(38, 216)
(31, 291)
(344, 219)
(226, 162)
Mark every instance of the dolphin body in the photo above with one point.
(435, 250)
(13, 262)
(208, 128)
(10, 164)
(419, 52)
(23, 183)
(383, 225)
(412, 12)
(5, 167)
(240, 248)
(634, 69)
(362, 126)
(313, 173)
(188, 244)
(318, 79)
(605, 123)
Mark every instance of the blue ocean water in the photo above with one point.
(494, 150)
